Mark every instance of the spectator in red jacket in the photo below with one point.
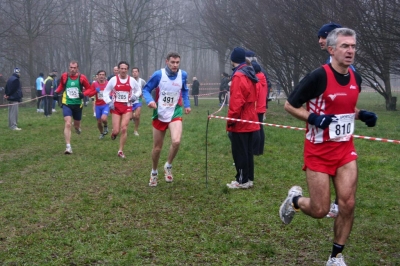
(242, 105)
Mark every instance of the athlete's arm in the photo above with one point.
(110, 86)
(84, 81)
(185, 91)
(151, 85)
(300, 112)
(63, 80)
(135, 87)
(91, 91)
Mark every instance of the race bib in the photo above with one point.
(100, 95)
(122, 96)
(342, 127)
(73, 93)
(170, 98)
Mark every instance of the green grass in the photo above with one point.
(93, 208)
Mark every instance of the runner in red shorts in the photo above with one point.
(172, 99)
(120, 92)
(330, 94)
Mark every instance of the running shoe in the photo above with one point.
(105, 131)
(334, 211)
(135, 133)
(101, 136)
(237, 185)
(68, 150)
(287, 210)
(121, 154)
(153, 179)
(113, 137)
(78, 131)
(336, 261)
(168, 173)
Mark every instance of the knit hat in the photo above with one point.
(256, 66)
(250, 53)
(17, 70)
(238, 55)
(325, 29)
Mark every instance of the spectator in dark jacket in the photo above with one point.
(13, 94)
(195, 91)
(48, 91)
(223, 87)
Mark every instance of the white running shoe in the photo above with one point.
(287, 210)
(17, 128)
(78, 131)
(101, 136)
(68, 150)
(153, 179)
(334, 211)
(135, 133)
(121, 154)
(94, 114)
(168, 173)
(251, 183)
(105, 131)
(336, 261)
(237, 185)
(53, 110)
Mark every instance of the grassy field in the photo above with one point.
(93, 208)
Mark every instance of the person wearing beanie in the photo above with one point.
(323, 33)
(39, 87)
(13, 94)
(243, 97)
(251, 56)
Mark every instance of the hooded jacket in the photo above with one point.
(243, 97)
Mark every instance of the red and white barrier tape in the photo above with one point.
(300, 128)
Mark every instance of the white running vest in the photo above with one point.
(169, 94)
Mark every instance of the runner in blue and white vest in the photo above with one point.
(171, 100)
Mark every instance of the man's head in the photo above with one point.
(51, 74)
(323, 33)
(238, 56)
(115, 70)
(135, 72)
(55, 71)
(41, 74)
(123, 68)
(194, 78)
(341, 45)
(17, 71)
(73, 67)
(173, 60)
(101, 76)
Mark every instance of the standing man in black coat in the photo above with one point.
(195, 91)
(13, 94)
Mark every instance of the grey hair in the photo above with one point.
(333, 35)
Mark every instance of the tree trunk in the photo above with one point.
(391, 104)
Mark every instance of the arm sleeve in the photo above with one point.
(151, 85)
(237, 99)
(135, 87)
(84, 81)
(91, 91)
(61, 85)
(185, 91)
(110, 86)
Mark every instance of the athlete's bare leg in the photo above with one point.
(175, 129)
(158, 141)
(125, 118)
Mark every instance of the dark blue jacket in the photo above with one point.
(13, 89)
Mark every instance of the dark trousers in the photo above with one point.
(258, 147)
(196, 100)
(242, 152)
(40, 100)
(48, 105)
(221, 96)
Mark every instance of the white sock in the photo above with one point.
(68, 145)
(154, 171)
(168, 165)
